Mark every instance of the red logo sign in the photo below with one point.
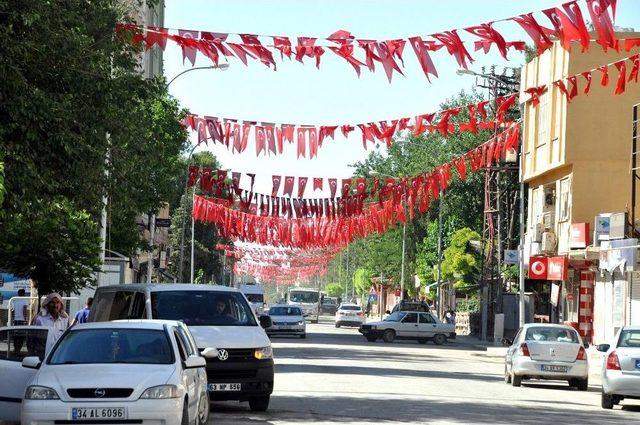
(538, 268)
(558, 268)
(579, 235)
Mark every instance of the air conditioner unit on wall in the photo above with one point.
(536, 232)
(548, 219)
(549, 242)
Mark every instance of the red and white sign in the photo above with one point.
(579, 235)
(538, 268)
(557, 268)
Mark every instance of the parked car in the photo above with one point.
(411, 306)
(349, 315)
(546, 351)
(416, 325)
(112, 371)
(287, 320)
(218, 317)
(621, 368)
(329, 305)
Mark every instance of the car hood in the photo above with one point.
(136, 376)
(378, 323)
(229, 336)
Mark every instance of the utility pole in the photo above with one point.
(404, 237)
(438, 284)
(152, 231)
(193, 228)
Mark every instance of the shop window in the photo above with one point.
(565, 201)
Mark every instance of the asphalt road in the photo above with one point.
(336, 376)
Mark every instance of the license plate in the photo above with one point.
(81, 413)
(224, 387)
(553, 368)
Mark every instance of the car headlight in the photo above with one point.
(161, 391)
(263, 353)
(36, 392)
(301, 322)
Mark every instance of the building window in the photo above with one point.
(543, 120)
(565, 203)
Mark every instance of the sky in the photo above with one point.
(300, 93)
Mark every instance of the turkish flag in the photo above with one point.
(189, 50)
(333, 185)
(302, 184)
(261, 139)
(276, 185)
(288, 185)
(361, 185)
(346, 185)
(317, 183)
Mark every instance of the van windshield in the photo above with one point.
(202, 308)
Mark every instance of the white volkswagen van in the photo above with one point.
(241, 367)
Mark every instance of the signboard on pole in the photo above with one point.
(511, 256)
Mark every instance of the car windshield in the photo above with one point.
(255, 298)
(285, 311)
(351, 307)
(551, 334)
(395, 317)
(136, 346)
(202, 308)
(303, 297)
(629, 338)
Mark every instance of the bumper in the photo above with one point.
(298, 330)
(370, 332)
(146, 412)
(615, 382)
(350, 320)
(255, 379)
(533, 369)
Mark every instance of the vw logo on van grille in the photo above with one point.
(223, 354)
(99, 392)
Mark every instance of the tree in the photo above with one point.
(68, 82)
(461, 264)
(334, 290)
(362, 281)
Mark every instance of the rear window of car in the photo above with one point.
(551, 334)
(629, 338)
(113, 345)
(351, 307)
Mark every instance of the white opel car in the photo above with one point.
(546, 351)
(621, 368)
(350, 315)
(116, 372)
(287, 320)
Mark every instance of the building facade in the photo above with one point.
(576, 166)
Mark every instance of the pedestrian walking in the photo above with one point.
(450, 317)
(20, 310)
(82, 316)
(53, 317)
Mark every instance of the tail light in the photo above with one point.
(360, 313)
(524, 350)
(582, 354)
(612, 362)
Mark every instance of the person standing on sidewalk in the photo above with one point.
(53, 317)
(82, 316)
(20, 310)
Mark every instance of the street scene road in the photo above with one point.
(336, 376)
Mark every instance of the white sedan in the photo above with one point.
(286, 320)
(621, 368)
(349, 315)
(142, 372)
(546, 351)
(416, 325)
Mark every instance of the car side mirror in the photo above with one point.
(31, 362)
(265, 321)
(603, 347)
(210, 353)
(194, 362)
(507, 342)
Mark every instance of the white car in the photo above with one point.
(417, 325)
(142, 372)
(349, 315)
(621, 368)
(547, 351)
(286, 320)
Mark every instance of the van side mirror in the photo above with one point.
(603, 347)
(210, 353)
(265, 321)
(31, 362)
(194, 362)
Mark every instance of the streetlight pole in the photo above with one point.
(438, 303)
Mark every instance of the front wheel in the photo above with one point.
(439, 339)
(606, 401)
(389, 335)
(259, 404)
(203, 410)
(185, 414)
(337, 324)
(507, 375)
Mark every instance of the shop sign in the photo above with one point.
(619, 254)
(538, 268)
(579, 235)
(555, 294)
(511, 256)
(557, 268)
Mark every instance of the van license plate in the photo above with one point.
(553, 368)
(81, 413)
(224, 387)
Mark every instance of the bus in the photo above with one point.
(307, 299)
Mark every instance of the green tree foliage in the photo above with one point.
(362, 281)
(67, 82)
(334, 290)
(461, 264)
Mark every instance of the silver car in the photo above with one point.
(621, 367)
(546, 351)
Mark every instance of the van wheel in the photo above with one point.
(389, 335)
(439, 339)
(259, 404)
(606, 401)
(203, 410)
(185, 414)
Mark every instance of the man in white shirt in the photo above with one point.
(54, 317)
(20, 312)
